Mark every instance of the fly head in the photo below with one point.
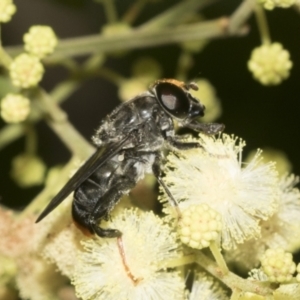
(176, 100)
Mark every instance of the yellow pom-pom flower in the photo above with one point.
(26, 71)
(278, 265)
(7, 9)
(270, 64)
(40, 41)
(283, 164)
(289, 291)
(28, 170)
(207, 288)
(242, 194)
(147, 242)
(281, 230)
(271, 4)
(14, 108)
(199, 225)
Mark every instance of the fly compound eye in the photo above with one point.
(173, 99)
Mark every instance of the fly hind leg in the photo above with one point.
(106, 203)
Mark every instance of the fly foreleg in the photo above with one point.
(157, 173)
(178, 144)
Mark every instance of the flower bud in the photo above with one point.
(40, 40)
(28, 170)
(270, 64)
(14, 108)
(199, 225)
(278, 265)
(7, 9)
(26, 71)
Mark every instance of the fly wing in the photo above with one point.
(84, 172)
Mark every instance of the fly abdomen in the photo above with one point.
(90, 192)
(96, 196)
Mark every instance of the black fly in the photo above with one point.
(129, 144)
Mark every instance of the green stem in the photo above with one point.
(132, 13)
(178, 262)
(241, 14)
(31, 139)
(232, 280)
(185, 62)
(137, 39)
(58, 122)
(93, 63)
(70, 64)
(235, 295)
(175, 14)
(47, 106)
(71, 138)
(262, 25)
(110, 75)
(64, 90)
(110, 11)
(10, 133)
(5, 59)
(215, 250)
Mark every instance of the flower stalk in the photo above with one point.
(232, 280)
(262, 25)
(215, 250)
(138, 39)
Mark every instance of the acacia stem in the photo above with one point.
(215, 250)
(262, 25)
(232, 280)
(137, 39)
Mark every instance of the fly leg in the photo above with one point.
(157, 173)
(176, 143)
(106, 203)
(206, 128)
